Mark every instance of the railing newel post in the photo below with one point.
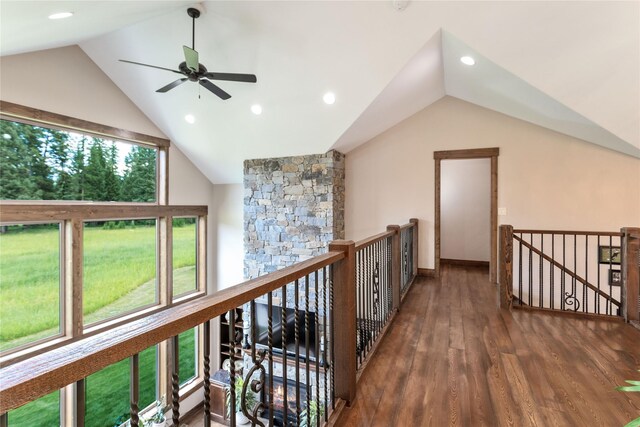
(344, 318)
(630, 244)
(396, 270)
(505, 296)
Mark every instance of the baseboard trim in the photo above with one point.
(464, 262)
(426, 272)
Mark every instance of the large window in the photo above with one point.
(72, 265)
(38, 163)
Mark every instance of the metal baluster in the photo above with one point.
(284, 358)
(575, 267)
(297, 340)
(324, 341)
(598, 273)
(207, 371)
(332, 335)
(369, 302)
(540, 273)
(360, 267)
(232, 367)
(531, 271)
(175, 381)
(134, 388)
(306, 347)
(608, 278)
(562, 273)
(317, 305)
(270, 345)
(552, 270)
(520, 298)
(585, 295)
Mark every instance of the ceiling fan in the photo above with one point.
(193, 71)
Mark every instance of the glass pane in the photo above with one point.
(29, 283)
(42, 412)
(188, 351)
(38, 163)
(119, 267)
(108, 390)
(184, 255)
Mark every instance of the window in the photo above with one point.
(29, 283)
(185, 237)
(113, 254)
(38, 163)
(119, 268)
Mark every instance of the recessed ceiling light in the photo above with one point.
(329, 98)
(60, 15)
(190, 119)
(256, 109)
(467, 60)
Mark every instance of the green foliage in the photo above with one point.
(250, 397)
(313, 414)
(37, 163)
(117, 262)
(634, 387)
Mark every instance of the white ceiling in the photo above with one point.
(573, 64)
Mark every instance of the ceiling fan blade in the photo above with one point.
(232, 77)
(215, 89)
(150, 66)
(191, 58)
(171, 85)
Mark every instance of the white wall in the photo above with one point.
(227, 213)
(465, 209)
(546, 180)
(66, 81)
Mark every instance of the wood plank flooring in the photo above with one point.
(452, 358)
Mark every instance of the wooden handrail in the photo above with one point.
(11, 211)
(407, 225)
(361, 244)
(571, 233)
(30, 379)
(566, 270)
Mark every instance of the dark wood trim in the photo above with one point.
(479, 153)
(505, 283)
(631, 273)
(571, 233)
(472, 153)
(464, 262)
(426, 272)
(395, 267)
(19, 212)
(41, 374)
(578, 314)
(29, 115)
(361, 244)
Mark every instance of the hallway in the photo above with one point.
(452, 358)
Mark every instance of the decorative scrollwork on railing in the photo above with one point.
(405, 258)
(571, 300)
(256, 386)
(376, 287)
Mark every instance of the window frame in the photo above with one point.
(71, 229)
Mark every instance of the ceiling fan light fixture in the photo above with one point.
(256, 109)
(467, 60)
(329, 98)
(60, 15)
(189, 118)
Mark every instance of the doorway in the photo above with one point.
(483, 153)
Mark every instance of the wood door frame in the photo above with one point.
(476, 153)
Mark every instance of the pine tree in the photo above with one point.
(76, 171)
(112, 180)
(95, 172)
(15, 172)
(139, 182)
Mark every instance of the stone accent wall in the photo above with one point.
(293, 207)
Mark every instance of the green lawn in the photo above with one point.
(119, 275)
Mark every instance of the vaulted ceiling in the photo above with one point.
(573, 67)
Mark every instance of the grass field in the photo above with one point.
(119, 275)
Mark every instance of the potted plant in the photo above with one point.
(250, 400)
(313, 414)
(634, 387)
(158, 418)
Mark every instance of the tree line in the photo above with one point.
(38, 163)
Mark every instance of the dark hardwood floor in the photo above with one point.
(452, 358)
